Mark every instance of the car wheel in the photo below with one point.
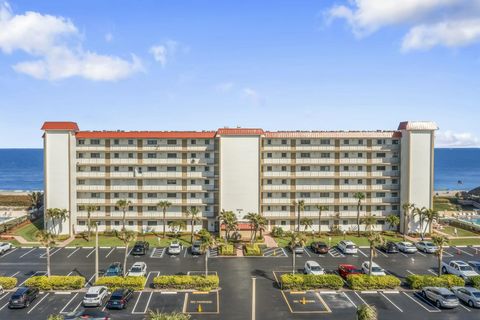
(27, 304)
(438, 304)
(470, 303)
(444, 270)
(424, 294)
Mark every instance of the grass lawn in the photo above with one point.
(359, 241)
(460, 232)
(112, 241)
(464, 242)
(28, 231)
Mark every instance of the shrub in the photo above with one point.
(311, 281)
(367, 312)
(186, 282)
(227, 250)
(157, 315)
(277, 232)
(55, 317)
(252, 250)
(475, 281)
(8, 282)
(416, 281)
(56, 282)
(113, 283)
(366, 282)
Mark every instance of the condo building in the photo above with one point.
(236, 169)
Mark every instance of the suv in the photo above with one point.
(319, 247)
(4, 247)
(119, 299)
(389, 247)
(442, 297)
(115, 269)
(376, 269)
(138, 269)
(459, 268)
(93, 314)
(23, 297)
(196, 248)
(95, 296)
(175, 248)
(426, 246)
(344, 270)
(140, 248)
(312, 267)
(347, 247)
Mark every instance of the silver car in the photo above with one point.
(442, 297)
(426, 246)
(406, 247)
(469, 295)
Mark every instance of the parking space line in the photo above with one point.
(13, 275)
(253, 297)
(68, 303)
(33, 308)
(409, 271)
(113, 249)
(23, 255)
(421, 305)
(284, 252)
(88, 255)
(34, 274)
(11, 251)
(306, 251)
(349, 299)
(422, 254)
(461, 305)
(6, 294)
(467, 253)
(361, 298)
(43, 255)
(382, 253)
(73, 252)
(362, 253)
(403, 254)
(383, 295)
(148, 302)
(88, 282)
(447, 254)
(432, 272)
(185, 254)
(6, 304)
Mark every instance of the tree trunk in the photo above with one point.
(405, 226)
(164, 220)
(440, 258)
(298, 220)
(319, 223)
(125, 259)
(89, 226)
(206, 261)
(123, 218)
(358, 220)
(48, 260)
(191, 234)
(371, 261)
(293, 261)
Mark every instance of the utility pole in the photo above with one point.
(96, 251)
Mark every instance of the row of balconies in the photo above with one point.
(392, 147)
(331, 214)
(355, 187)
(162, 174)
(145, 214)
(389, 173)
(146, 188)
(157, 161)
(288, 201)
(385, 160)
(147, 201)
(158, 147)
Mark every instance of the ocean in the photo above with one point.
(22, 169)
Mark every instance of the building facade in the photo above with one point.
(236, 169)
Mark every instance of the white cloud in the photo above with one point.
(224, 86)
(454, 139)
(163, 52)
(253, 96)
(431, 23)
(56, 44)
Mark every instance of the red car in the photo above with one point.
(346, 269)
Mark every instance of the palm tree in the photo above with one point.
(127, 237)
(261, 223)
(164, 205)
(407, 207)
(306, 223)
(47, 239)
(366, 312)
(177, 225)
(193, 214)
(431, 216)
(221, 218)
(157, 315)
(300, 207)
(36, 200)
(123, 205)
(440, 242)
(52, 214)
(369, 222)
(296, 239)
(62, 216)
(421, 217)
(393, 221)
(253, 219)
(320, 208)
(90, 208)
(359, 196)
(375, 239)
(208, 242)
(230, 221)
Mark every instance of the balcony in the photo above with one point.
(84, 161)
(352, 187)
(272, 187)
(91, 200)
(314, 174)
(91, 187)
(384, 160)
(320, 187)
(283, 201)
(315, 161)
(390, 173)
(91, 174)
(353, 161)
(353, 174)
(277, 161)
(161, 147)
(306, 147)
(163, 161)
(276, 214)
(318, 200)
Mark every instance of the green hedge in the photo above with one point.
(475, 281)
(113, 283)
(186, 282)
(8, 283)
(311, 281)
(416, 281)
(252, 250)
(366, 282)
(56, 282)
(227, 250)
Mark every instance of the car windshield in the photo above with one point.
(112, 269)
(16, 296)
(476, 294)
(429, 244)
(316, 268)
(449, 296)
(377, 269)
(174, 245)
(409, 245)
(116, 297)
(466, 268)
(136, 269)
(350, 246)
(91, 295)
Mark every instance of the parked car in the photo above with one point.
(1, 290)
(119, 299)
(23, 297)
(90, 314)
(138, 269)
(406, 247)
(347, 247)
(115, 269)
(426, 246)
(344, 270)
(469, 295)
(376, 269)
(475, 265)
(459, 268)
(389, 247)
(4, 247)
(319, 247)
(140, 248)
(95, 296)
(312, 267)
(298, 249)
(175, 248)
(442, 297)
(196, 248)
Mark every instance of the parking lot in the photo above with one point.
(244, 282)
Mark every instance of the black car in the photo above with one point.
(140, 248)
(92, 314)
(115, 269)
(319, 247)
(389, 247)
(23, 297)
(119, 299)
(196, 248)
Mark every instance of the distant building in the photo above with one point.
(237, 169)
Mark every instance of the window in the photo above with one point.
(171, 169)
(283, 223)
(151, 169)
(193, 155)
(205, 195)
(284, 168)
(345, 155)
(193, 169)
(116, 141)
(207, 141)
(284, 195)
(359, 168)
(171, 195)
(360, 155)
(171, 182)
(345, 194)
(193, 195)
(269, 168)
(95, 155)
(394, 207)
(324, 168)
(304, 194)
(346, 141)
(94, 141)
(269, 208)
(269, 141)
(116, 155)
(345, 168)
(171, 155)
(325, 141)
(359, 181)
(171, 142)
(325, 155)
(269, 181)
(192, 182)
(345, 208)
(151, 223)
(394, 141)
(380, 207)
(130, 155)
(284, 181)
(346, 181)
(380, 181)
(151, 195)
(207, 181)
(81, 223)
(269, 194)
(130, 142)
(360, 141)
(305, 141)
(151, 155)
(394, 168)
(394, 194)
(95, 169)
(81, 182)
(394, 181)
(304, 168)
(284, 141)
(193, 141)
(81, 142)
(95, 195)
(116, 223)
(304, 155)
(116, 169)
(130, 169)
(380, 194)
(380, 154)
(80, 155)
(381, 168)
(130, 195)
(284, 154)
(324, 194)
(284, 208)
(269, 155)
(151, 142)
(380, 141)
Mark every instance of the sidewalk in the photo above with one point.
(269, 241)
(22, 241)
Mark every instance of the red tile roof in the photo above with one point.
(146, 134)
(60, 125)
(240, 131)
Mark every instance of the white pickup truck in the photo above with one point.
(459, 268)
(4, 247)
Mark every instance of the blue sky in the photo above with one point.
(181, 65)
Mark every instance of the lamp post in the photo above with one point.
(96, 251)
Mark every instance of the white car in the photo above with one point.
(138, 269)
(4, 247)
(95, 296)
(406, 247)
(469, 295)
(347, 247)
(376, 270)
(426, 246)
(312, 267)
(175, 248)
(459, 268)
